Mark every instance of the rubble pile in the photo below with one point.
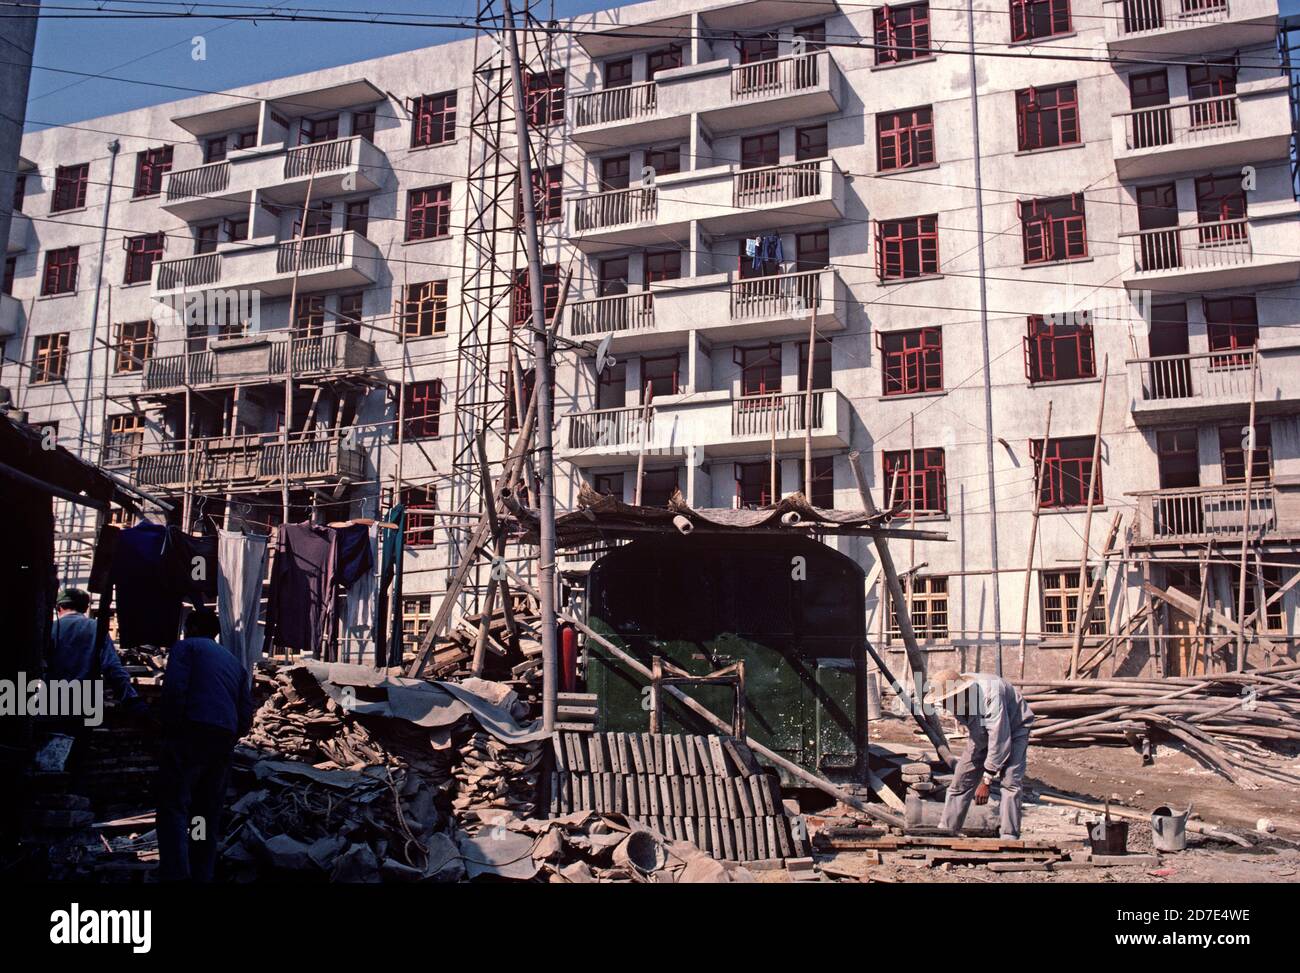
(493, 774)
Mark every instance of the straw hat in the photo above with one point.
(945, 684)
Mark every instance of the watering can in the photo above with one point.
(1169, 828)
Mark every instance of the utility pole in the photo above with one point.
(542, 384)
(1249, 456)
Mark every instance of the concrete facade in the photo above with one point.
(690, 321)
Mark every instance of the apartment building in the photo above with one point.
(792, 227)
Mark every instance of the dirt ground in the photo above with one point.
(1097, 774)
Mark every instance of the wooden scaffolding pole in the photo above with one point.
(1249, 458)
(1081, 621)
(1035, 513)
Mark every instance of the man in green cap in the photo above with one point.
(73, 652)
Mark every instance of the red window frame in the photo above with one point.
(902, 33)
(425, 309)
(905, 139)
(428, 213)
(661, 374)
(49, 357)
(1068, 472)
(1058, 351)
(60, 275)
(1220, 201)
(142, 252)
(1231, 323)
(423, 409)
(1047, 117)
(545, 97)
(521, 307)
(1212, 79)
(763, 149)
(907, 248)
(1036, 19)
(150, 165)
(547, 196)
(911, 362)
(1232, 454)
(822, 493)
(433, 119)
(70, 187)
(662, 265)
(1054, 229)
(927, 484)
(760, 47)
(754, 483)
(421, 523)
(760, 369)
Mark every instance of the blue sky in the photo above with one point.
(237, 53)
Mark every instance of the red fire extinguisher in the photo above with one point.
(568, 658)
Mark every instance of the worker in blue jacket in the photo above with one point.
(73, 654)
(206, 707)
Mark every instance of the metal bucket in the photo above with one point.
(1169, 828)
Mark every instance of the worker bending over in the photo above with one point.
(997, 720)
(207, 707)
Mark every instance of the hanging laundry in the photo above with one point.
(151, 574)
(359, 611)
(241, 566)
(772, 250)
(353, 559)
(751, 245)
(200, 554)
(388, 643)
(302, 587)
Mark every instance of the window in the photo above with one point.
(1058, 350)
(822, 493)
(20, 191)
(350, 305)
(924, 487)
(434, 119)
(929, 598)
(545, 94)
(660, 374)
(760, 370)
(812, 250)
(1047, 117)
(754, 484)
(615, 173)
(902, 33)
(911, 361)
(662, 265)
(1035, 19)
(1232, 453)
(425, 313)
(665, 161)
(1220, 210)
(521, 309)
(317, 221)
(547, 196)
(618, 74)
(363, 124)
(905, 139)
(1274, 615)
(356, 217)
(1060, 595)
(428, 213)
(149, 168)
(658, 487)
(60, 271)
(421, 523)
(761, 47)
(1053, 229)
(423, 405)
(50, 357)
(417, 613)
(134, 345)
(70, 187)
(313, 130)
(814, 36)
(664, 59)
(236, 229)
(141, 254)
(1230, 324)
(811, 143)
(907, 248)
(611, 485)
(206, 237)
(1178, 458)
(1069, 470)
(246, 140)
(821, 365)
(11, 271)
(611, 276)
(611, 387)
(309, 317)
(1213, 79)
(125, 437)
(760, 150)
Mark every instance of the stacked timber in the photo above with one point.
(497, 775)
(1239, 724)
(706, 790)
(512, 647)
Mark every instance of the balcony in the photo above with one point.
(1198, 514)
(1244, 252)
(1204, 134)
(722, 200)
(255, 361)
(718, 307)
(20, 232)
(336, 167)
(11, 315)
(249, 462)
(337, 260)
(728, 97)
(1151, 27)
(1208, 386)
(717, 421)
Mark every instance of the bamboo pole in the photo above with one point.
(288, 351)
(808, 401)
(1081, 621)
(647, 410)
(1245, 526)
(1035, 513)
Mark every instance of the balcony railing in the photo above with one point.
(615, 312)
(1203, 512)
(781, 295)
(310, 253)
(1204, 375)
(640, 204)
(615, 104)
(307, 160)
(778, 76)
(1188, 123)
(765, 415)
(1143, 16)
(778, 184)
(189, 271)
(607, 427)
(176, 371)
(251, 457)
(1198, 246)
(200, 181)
